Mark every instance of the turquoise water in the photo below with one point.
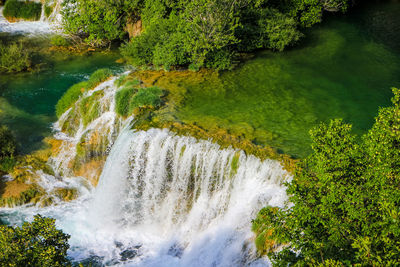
(27, 100)
(344, 68)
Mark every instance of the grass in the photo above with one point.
(14, 9)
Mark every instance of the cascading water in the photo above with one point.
(165, 200)
(161, 200)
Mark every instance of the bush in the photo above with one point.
(98, 77)
(38, 243)
(22, 10)
(70, 97)
(14, 58)
(344, 199)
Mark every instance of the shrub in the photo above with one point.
(38, 243)
(344, 199)
(14, 58)
(70, 97)
(98, 77)
(22, 10)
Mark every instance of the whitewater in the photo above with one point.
(161, 199)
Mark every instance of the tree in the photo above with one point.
(38, 243)
(345, 199)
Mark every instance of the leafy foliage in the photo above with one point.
(194, 33)
(27, 10)
(14, 57)
(38, 243)
(345, 199)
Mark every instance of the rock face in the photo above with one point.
(134, 28)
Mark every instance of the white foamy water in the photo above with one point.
(24, 27)
(165, 200)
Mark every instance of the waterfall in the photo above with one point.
(168, 200)
(161, 199)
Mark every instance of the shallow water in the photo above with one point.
(344, 68)
(27, 100)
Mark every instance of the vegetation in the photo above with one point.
(8, 147)
(129, 98)
(195, 33)
(14, 57)
(345, 200)
(70, 97)
(59, 40)
(28, 10)
(75, 91)
(38, 243)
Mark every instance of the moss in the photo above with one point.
(235, 163)
(120, 80)
(98, 77)
(267, 239)
(122, 100)
(66, 194)
(25, 197)
(70, 97)
(59, 40)
(89, 107)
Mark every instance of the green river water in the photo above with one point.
(343, 68)
(27, 100)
